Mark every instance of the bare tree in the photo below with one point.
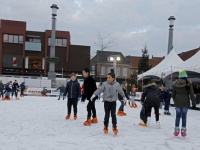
(103, 43)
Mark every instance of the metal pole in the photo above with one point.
(62, 72)
(170, 41)
(142, 81)
(171, 79)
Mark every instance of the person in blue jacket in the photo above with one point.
(73, 91)
(22, 87)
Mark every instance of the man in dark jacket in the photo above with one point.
(89, 88)
(152, 100)
(182, 94)
(22, 87)
(74, 93)
(15, 87)
(1, 88)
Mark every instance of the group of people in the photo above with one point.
(9, 89)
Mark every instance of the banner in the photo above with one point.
(37, 91)
(15, 61)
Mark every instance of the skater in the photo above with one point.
(62, 90)
(132, 97)
(73, 91)
(197, 93)
(1, 89)
(167, 97)
(110, 88)
(15, 87)
(89, 88)
(99, 96)
(44, 92)
(181, 94)
(82, 93)
(8, 91)
(152, 100)
(129, 92)
(161, 93)
(121, 108)
(22, 87)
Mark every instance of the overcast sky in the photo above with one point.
(130, 22)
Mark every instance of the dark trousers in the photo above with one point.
(70, 102)
(167, 103)
(14, 91)
(22, 91)
(1, 91)
(110, 107)
(156, 108)
(91, 109)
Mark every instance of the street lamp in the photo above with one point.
(171, 25)
(51, 73)
(114, 59)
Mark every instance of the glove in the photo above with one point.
(93, 97)
(79, 98)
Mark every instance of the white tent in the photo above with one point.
(172, 59)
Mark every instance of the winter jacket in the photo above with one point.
(89, 88)
(196, 90)
(61, 88)
(120, 97)
(15, 85)
(1, 86)
(110, 91)
(161, 95)
(151, 95)
(129, 90)
(9, 88)
(182, 93)
(22, 86)
(72, 89)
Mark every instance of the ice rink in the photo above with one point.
(38, 123)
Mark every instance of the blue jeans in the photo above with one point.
(181, 112)
(166, 104)
(121, 106)
(14, 91)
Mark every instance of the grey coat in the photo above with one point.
(110, 91)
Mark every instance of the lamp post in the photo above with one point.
(114, 59)
(62, 72)
(51, 73)
(170, 41)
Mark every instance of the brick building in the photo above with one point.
(23, 52)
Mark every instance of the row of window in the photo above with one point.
(59, 42)
(124, 73)
(12, 38)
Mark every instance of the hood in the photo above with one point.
(112, 82)
(181, 83)
(150, 85)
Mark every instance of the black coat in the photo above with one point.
(120, 97)
(73, 89)
(151, 95)
(89, 88)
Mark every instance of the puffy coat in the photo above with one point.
(89, 88)
(151, 95)
(9, 88)
(73, 89)
(15, 85)
(182, 93)
(22, 86)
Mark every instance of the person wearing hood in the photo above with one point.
(181, 94)
(22, 87)
(89, 88)
(152, 100)
(73, 91)
(110, 90)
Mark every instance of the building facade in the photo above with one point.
(23, 52)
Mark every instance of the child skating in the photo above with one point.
(110, 88)
(62, 90)
(132, 97)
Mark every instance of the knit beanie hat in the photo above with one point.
(182, 74)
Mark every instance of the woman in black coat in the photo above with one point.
(152, 100)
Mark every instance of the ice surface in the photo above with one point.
(38, 123)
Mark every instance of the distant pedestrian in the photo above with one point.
(22, 87)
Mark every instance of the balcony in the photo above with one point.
(31, 46)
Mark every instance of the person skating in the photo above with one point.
(181, 94)
(152, 100)
(8, 91)
(1, 89)
(62, 90)
(132, 97)
(73, 92)
(22, 87)
(15, 87)
(89, 88)
(121, 108)
(167, 97)
(110, 88)
(129, 92)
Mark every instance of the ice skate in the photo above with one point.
(88, 122)
(158, 124)
(75, 117)
(115, 130)
(105, 129)
(67, 117)
(123, 113)
(148, 121)
(119, 112)
(176, 131)
(94, 120)
(183, 131)
(142, 124)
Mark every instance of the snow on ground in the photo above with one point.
(38, 123)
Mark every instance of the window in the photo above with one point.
(49, 41)
(5, 37)
(64, 42)
(20, 38)
(93, 67)
(58, 42)
(102, 70)
(15, 38)
(109, 69)
(10, 38)
(118, 72)
(36, 40)
(125, 72)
